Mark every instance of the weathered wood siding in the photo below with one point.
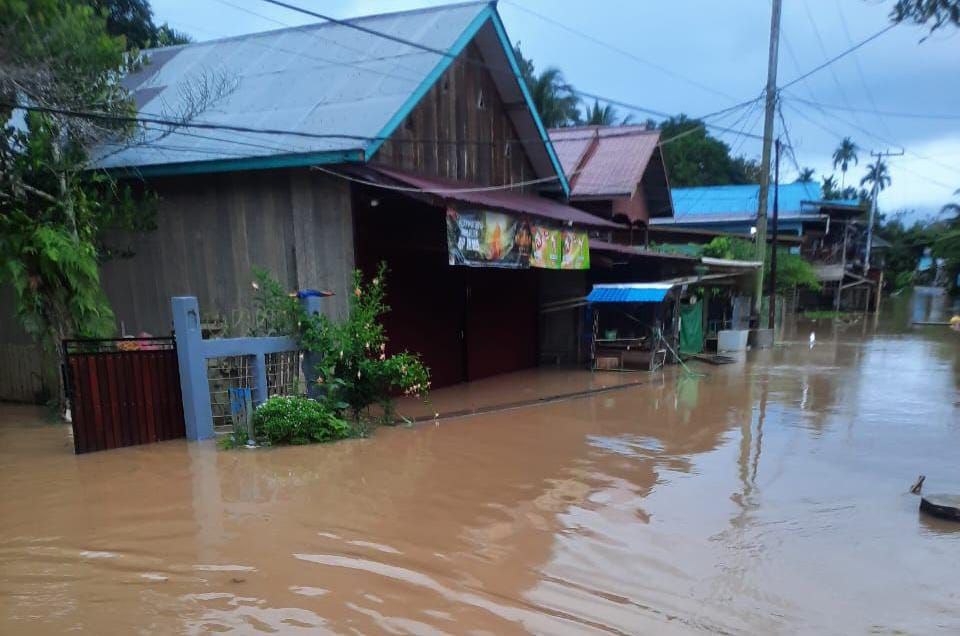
(460, 130)
(213, 229)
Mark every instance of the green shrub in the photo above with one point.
(356, 370)
(297, 420)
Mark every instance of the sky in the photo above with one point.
(900, 91)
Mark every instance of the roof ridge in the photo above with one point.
(626, 128)
(319, 25)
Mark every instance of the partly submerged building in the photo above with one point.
(828, 233)
(339, 147)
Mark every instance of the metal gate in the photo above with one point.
(123, 392)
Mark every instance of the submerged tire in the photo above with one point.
(942, 506)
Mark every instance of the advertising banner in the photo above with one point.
(479, 238)
(576, 250)
(487, 239)
(546, 250)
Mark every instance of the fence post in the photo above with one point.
(259, 369)
(309, 362)
(194, 387)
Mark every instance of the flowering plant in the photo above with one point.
(356, 370)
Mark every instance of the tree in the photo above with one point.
(830, 190)
(877, 174)
(842, 156)
(553, 97)
(606, 116)
(937, 12)
(133, 19)
(806, 175)
(952, 209)
(600, 115)
(792, 270)
(694, 158)
(55, 211)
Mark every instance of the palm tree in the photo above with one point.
(877, 175)
(805, 176)
(830, 188)
(555, 100)
(600, 116)
(843, 155)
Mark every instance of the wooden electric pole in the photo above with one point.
(773, 239)
(771, 104)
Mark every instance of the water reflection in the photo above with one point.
(768, 495)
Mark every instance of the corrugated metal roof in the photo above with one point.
(734, 200)
(320, 79)
(611, 160)
(738, 203)
(629, 293)
(498, 199)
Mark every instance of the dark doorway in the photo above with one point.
(466, 323)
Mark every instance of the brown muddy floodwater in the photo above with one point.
(767, 497)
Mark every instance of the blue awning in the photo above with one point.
(629, 293)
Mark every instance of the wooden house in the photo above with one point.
(314, 150)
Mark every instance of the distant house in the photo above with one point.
(733, 208)
(383, 143)
(616, 172)
(831, 234)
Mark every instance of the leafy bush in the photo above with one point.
(356, 368)
(276, 313)
(792, 270)
(297, 420)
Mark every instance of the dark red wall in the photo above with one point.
(466, 323)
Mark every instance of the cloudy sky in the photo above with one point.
(896, 92)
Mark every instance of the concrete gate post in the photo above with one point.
(193, 373)
(308, 365)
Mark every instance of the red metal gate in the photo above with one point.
(123, 392)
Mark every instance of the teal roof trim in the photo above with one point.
(246, 163)
(508, 49)
(458, 46)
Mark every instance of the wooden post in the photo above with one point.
(876, 308)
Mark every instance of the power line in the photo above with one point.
(859, 67)
(834, 58)
(440, 191)
(177, 125)
(625, 53)
(659, 113)
(447, 54)
(786, 134)
(888, 142)
(885, 113)
(837, 135)
(823, 50)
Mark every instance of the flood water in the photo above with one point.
(770, 496)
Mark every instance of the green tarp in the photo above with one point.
(691, 327)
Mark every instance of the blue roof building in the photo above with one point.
(733, 208)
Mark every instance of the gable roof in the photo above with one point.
(604, 160)
(346, 88)
(714, 204)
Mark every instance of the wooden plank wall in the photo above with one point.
(449, 112)
(27, 374)
(213, 229)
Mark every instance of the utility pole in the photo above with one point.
(873, 207)
(773, 239)
(771, 103)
